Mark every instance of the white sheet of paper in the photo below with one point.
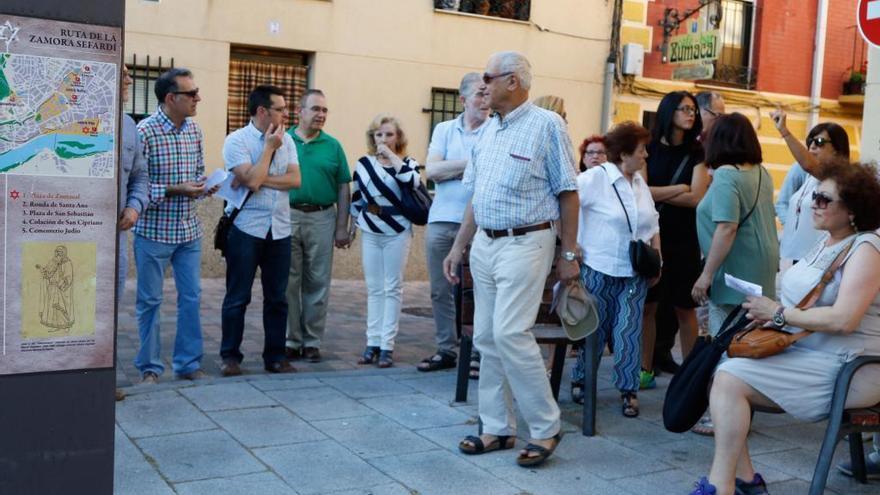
(235, 196)
(742, 286)
(215, 178)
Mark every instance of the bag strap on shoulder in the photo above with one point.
(675, 176)
(619, 199)
(757, 195)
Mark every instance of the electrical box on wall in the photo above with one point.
(633, 59)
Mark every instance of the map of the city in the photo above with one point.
(57, 116)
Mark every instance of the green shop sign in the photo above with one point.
(694, 48)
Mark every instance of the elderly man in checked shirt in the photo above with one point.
(169, 231)
(522, 176)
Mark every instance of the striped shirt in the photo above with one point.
(267, 208)
(519, 167)
(173, 156)
(366, 192)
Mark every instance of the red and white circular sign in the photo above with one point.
(869, 20)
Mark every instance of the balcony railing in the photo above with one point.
(505, 9)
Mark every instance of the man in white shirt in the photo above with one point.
(448, 154)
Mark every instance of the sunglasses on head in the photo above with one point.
(818, 141)
(822, 200)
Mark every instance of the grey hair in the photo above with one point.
(469, 84)
(516, 63)
(705, 98)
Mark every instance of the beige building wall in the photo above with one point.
(372, 56)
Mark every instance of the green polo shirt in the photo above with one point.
(322, 166)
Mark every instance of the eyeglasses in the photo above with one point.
(687, 110)
(594, 153)
(822, 200)
(712, 112)
(818, 141)
(191, 93)
(487, 78)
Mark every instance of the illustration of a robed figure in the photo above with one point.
(56, 292)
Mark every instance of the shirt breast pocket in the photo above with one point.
(523, 171)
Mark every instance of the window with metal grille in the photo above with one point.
(144, 71)
(445, 105)
(506, 9)
(736, 25)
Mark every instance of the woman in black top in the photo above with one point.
(678, 179)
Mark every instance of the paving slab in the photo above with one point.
(417, 411)
(326, 467)
(389, 489)
(361, 387)
(606, 458)
(448, 437)
(319, 403)
(672, 481)
(133, 473)
(161, 413)
(249, 484)
(222, 396)
(374, 436)
(199, 455)
(442, 473)
(266, 426)
(285, 384)
(556, 476)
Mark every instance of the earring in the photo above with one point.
(852, 223)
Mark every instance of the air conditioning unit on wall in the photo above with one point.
(633, 59)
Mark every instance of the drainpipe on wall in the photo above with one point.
(608, 92)
(818, 62)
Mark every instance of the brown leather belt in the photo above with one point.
(310, 208)
(378, 210)
(494, 234)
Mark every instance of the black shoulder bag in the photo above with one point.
(645, 259)
(224, 225)
(414, 202)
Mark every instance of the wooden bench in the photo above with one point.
(547, 330)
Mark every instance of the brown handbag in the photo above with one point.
(759, 342)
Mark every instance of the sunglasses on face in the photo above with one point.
(191, 93)
(487, 78)
(818, 141)
(822, 200)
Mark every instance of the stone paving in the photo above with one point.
(335, 428)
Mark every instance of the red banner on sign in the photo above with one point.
(869, 20)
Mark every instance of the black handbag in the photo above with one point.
(414, 202)
(687, 396)
(645, 259)
(224, 225)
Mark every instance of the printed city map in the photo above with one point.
(57, 116)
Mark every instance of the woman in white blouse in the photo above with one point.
(616, 207)
(378, 179)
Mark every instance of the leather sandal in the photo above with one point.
(477, 447)
(439, 361)
(630, 407)
(385, 359)
(577, 393)
(369, 356)
(543, 453)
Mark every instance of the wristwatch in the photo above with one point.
(569, 255)
(779, 317)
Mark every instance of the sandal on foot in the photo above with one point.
(385, 359)
(439, 361)
(630, 407)
(369, 355)
(704, 427)
(474, 372)
(543, 453)
(477, 447)
(577, 393)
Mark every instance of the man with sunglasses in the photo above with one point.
(448, 154)
(522, 177)
(169, 231)
(263, 159)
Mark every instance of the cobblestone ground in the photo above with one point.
(336, 428)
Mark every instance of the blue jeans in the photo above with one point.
(151, 258)
(244, 254)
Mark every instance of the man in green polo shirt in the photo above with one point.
(317, 223)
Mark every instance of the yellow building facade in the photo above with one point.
(372, 56)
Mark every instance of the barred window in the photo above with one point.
(144, 70)
(445, 105)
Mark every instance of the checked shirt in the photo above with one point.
(173, 156)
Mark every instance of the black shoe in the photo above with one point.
(312, 354)
(292, 354)
(282, 366)
(666, 364)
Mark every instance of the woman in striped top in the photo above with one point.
(387, 233)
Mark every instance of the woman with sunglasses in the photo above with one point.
(845, 321)
(678, 179)
(825, 142)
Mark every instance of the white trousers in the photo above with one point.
(384, 258)
(509, 276)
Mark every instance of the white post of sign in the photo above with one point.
(870, 126)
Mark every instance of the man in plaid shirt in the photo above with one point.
(169, 231)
